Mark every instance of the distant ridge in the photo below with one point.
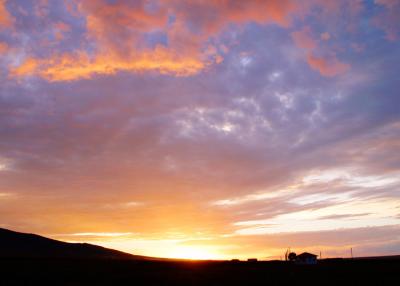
(25, 245)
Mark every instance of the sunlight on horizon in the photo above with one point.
(163, 248)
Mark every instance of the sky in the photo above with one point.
(203, 129)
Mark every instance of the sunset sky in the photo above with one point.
(203, 129)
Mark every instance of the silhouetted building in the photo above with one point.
(252, 260)
(306, 258)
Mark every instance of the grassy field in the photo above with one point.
(383, 271)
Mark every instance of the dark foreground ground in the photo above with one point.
(383, 271)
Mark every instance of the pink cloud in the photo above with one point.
(116, 31)
(303, 39)
(3, 48)
(388, 3)
(388, 20)
(6, 19)
(325, 36)
(60, 29)
(325, 65)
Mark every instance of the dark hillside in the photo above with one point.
(23, 245)
(28, 259)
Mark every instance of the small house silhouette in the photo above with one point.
(306, 258)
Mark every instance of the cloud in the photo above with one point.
(61, 28)
(366, 241)
(3, 48)
(303, 39)
(387, 20)
(117, 33)
(325, 65)
(100, 234)
(167, 37)
(207, 15)
(330, 67)
(339, 216)
(6, 19)
(80, 66)
(387, 3)
(325, 36)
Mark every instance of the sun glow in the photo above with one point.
(163, 248)
(193, 252)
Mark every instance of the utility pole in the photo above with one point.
(351, 251)
(320, 254)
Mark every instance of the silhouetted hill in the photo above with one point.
(28, 259)
(24, 245)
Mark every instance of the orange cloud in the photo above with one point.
(327, 67)
(116, 33)
(213, 15)
(118, 26)
(80, 65)
(6, 19)
(260, 11)
(29, 66)
(3, 48)
(116, 30)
